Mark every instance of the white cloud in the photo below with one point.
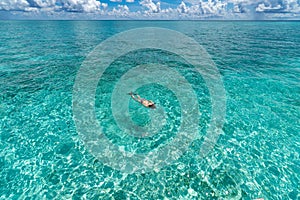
(104, 5)
(237, 9)
(291, 6)
(123, 8)
(275, 6)
(152, 7)
(203, 8)
(81, 5)
(213, 7)
(31, 9)
(160, 9)
(267, 5)
(182, 8)
(262, 7)
(13, 4)
(41, 5)
(44, 3)
(244, 2)
(244, 6)
(121, 11)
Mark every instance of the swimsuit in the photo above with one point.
(142, 100)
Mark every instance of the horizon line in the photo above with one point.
(211, 20)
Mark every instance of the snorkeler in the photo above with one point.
(144, 102)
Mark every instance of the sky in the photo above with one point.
(151, 9)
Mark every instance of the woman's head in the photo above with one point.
(151, 105)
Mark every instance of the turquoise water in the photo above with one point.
(256, 156)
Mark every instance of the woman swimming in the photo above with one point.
(144, 102)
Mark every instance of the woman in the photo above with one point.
(144, 102)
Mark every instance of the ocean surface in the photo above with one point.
(256, 154)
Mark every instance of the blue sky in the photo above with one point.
(150, 9)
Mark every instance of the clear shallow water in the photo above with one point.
(257, 155)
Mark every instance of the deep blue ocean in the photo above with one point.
(256, 155)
